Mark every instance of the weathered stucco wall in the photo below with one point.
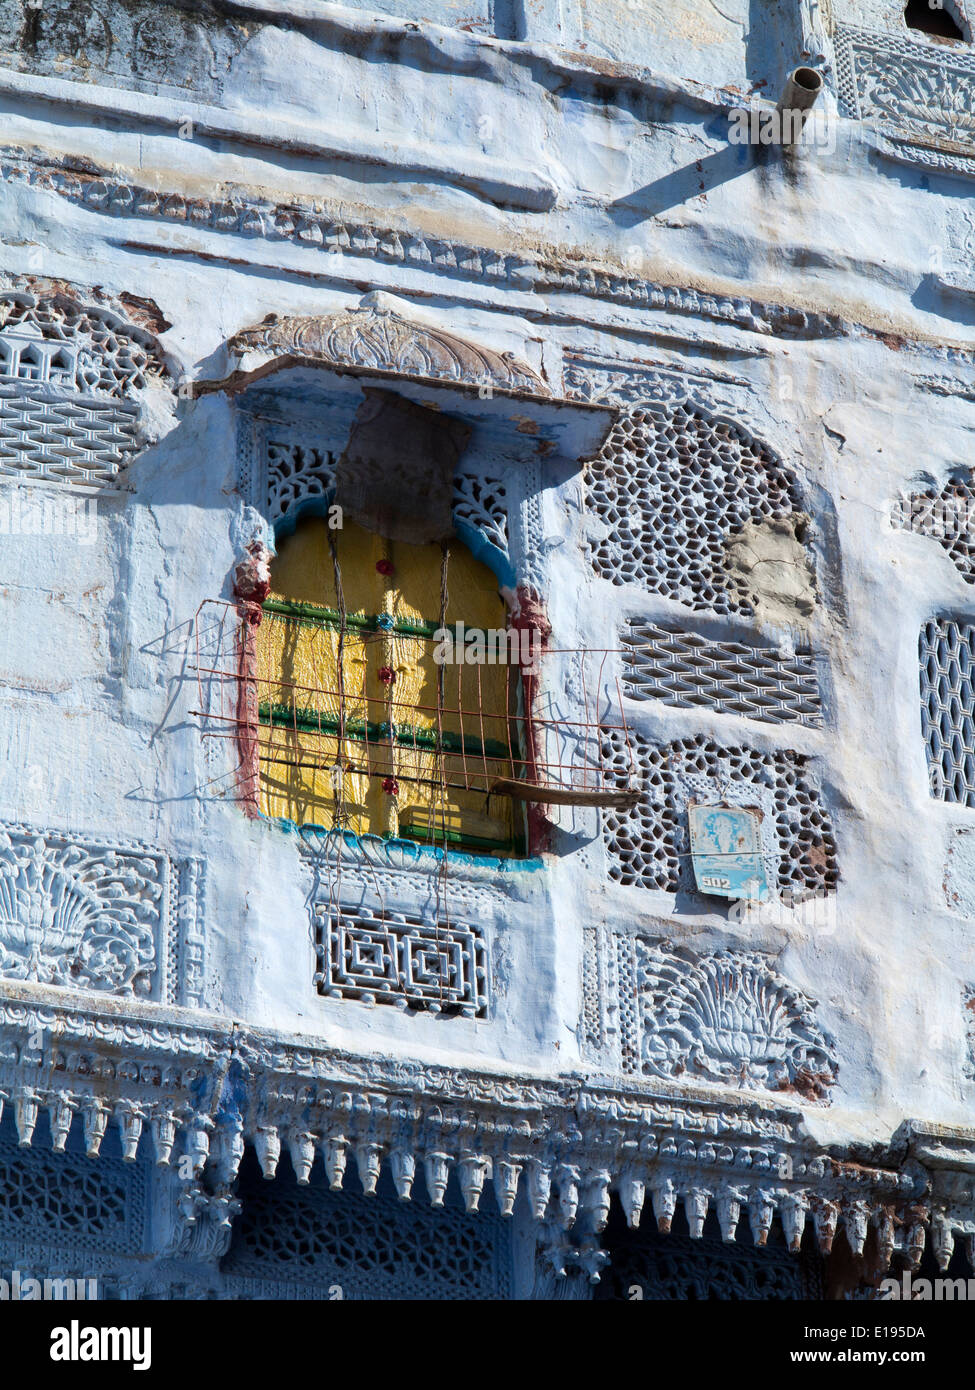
(556, 182)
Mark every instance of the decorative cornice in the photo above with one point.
(309, 225)
(203, 1087)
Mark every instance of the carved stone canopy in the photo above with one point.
(380, 334)
(313, 367)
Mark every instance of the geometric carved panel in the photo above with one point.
(947, 660)
(396, 958)
(66, 1200)
(61, 439)
(681, 668)
(65, 371)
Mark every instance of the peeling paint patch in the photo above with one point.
(768, 563)
(959, 875)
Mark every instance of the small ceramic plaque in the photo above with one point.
(726, 849)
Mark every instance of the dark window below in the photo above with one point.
(930, 19)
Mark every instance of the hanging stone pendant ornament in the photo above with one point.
(726, 850)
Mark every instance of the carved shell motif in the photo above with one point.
(77, 915)
(729, 1018)
(377, 335)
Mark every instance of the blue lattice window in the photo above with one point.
(679, 1268)
(377, 1247)
(69, 1202)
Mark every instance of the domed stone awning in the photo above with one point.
(318, 359)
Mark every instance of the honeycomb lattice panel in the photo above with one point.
(947, 655)
(945, 517)
(683, 669)
(64, 438)
(67, 1201)
(672, 487)
(377, 1247)
(649, 846)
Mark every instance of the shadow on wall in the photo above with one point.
(681, 185)
(774, 45)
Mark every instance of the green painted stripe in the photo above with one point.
(437, 836)
(310, 721)
(309, 615)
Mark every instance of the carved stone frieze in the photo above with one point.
(566, 1144)
(614, 381)
(136, 42)
(724, 1018)
(728, 1018)
(920, 96)
(378, 335)
(307, 225)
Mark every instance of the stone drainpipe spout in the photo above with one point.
(801, 91)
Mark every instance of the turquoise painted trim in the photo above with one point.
(411, 848)
(287, 524)
(489, 554)
(476, 541)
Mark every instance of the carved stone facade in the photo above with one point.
(716, 406)
(68, 373)
(920, 99)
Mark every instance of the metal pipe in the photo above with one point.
(802, 88)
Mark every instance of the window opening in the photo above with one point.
(933, 19)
